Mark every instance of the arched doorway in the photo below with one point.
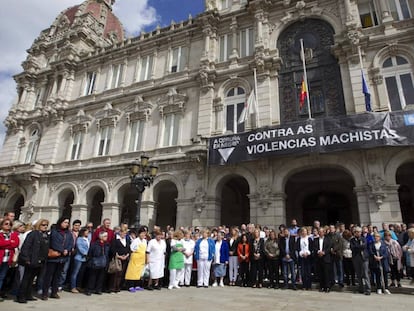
(324, 194)
(324, 76)
(17, 206)
(95, 197)
(235, 203)
(127, 196)
(66, 198)
(165, 195)
(405, 178)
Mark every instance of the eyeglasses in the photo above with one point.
(7, 224)
(44, 225)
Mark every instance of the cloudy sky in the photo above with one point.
(21, 21)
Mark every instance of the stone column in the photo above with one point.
(233, 27)
(259, 26)
(184, 212)
(148, 213)
(207, 33)
(209, 215)
(111, 211)
(362, 195)
(80, 211)
(387, 205)
(52, 213)
(385, 11)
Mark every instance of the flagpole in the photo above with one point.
(305, 76)
(256, 101)
(360, 58)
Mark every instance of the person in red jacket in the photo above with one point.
(105, 227)
(8, 242)
(243, 252)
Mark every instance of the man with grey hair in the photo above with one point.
(360, 260)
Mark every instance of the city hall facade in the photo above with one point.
(90, 101)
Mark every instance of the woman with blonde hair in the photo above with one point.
(176, 262)
(32, 257)
(409, 249)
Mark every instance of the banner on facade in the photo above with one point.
(362, 131)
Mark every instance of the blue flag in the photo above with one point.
(366, 92)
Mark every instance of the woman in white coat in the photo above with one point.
(189, 245)
(156, 250)
(409, 249)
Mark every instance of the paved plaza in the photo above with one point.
(228, 298)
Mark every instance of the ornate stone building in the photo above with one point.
(90, 101)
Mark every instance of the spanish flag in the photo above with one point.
(303, 94)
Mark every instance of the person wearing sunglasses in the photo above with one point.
(8, 242)
(33, 256)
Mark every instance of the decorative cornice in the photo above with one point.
(172, 102)
(139, 110)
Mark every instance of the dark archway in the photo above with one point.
(235, 203)
(95, 198)
(17, 206)
(127, 196)
(405, 178)
(66, 198)
(165, 195)
(324, 194)
(324, 76)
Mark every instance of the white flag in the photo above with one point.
(250, 107)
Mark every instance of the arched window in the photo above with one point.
(235, 100)
(398, 75)
(32, 146)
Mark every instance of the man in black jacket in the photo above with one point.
(360, 259)
(322, 248)
(288, 255)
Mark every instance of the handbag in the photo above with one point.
(115, 265)
(145, 272)
(53, 254)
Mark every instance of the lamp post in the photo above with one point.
(142, 176)
(4, 188)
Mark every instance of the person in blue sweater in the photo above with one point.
(79, 262)
(204, 253)
(221, 258)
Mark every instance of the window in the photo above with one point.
(224, 4)
(400, 9)
(178, 59)
(171, 129)
(117, 73)
(146, 68)
(398, 77)
(39, 97)
(368, 12)
(317, 99)
(226, 46)
(32, 147)
(105, 141)
(137, 133)
(77, 146)
(90, 83)
(235, 100)
(246, 42)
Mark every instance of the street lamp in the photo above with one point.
(142, 176)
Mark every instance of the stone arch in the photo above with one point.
(165, 194)
(54, 197)
(391, 50)
(94, 197)
(214, 187)
(12, 202)
(120, 183)
(328, 17)
(12, 196)
(234, 82)
(289, 168)
(93, 184)
(168, 177)
(394, 163)
(324, 74)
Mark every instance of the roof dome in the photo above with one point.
(96, 14)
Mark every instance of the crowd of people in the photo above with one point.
(40, 259)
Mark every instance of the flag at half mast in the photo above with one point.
(250, 107)
(303, 94)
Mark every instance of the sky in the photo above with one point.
(21, 22)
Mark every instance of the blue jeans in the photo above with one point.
(77, 265)
(4, 267)
(338, 271)
(64, 272)
(289, 265)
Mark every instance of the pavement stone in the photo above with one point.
(227, 298)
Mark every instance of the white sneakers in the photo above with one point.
(174, 286)
(379, 292)
(215, 284)
(387, 292)
(221, 284)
